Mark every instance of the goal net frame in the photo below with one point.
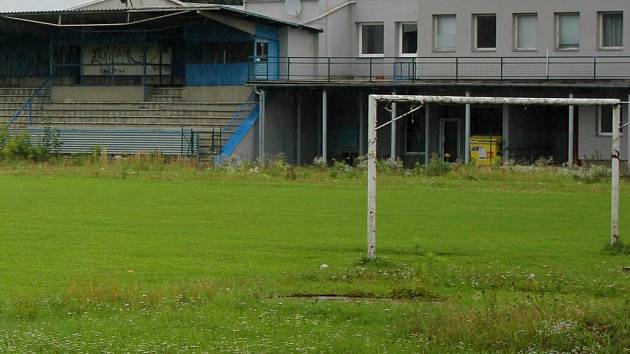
(422, 100)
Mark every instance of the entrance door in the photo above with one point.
(267, 59)
(449, 139)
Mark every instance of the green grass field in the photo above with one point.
(138, 258)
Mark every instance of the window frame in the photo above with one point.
(557, 27)
(400, 40)
(515, 22)
(599, 123)
(475, 18)
(600, 30)
(435, 33)
(376, 55)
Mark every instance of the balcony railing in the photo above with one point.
(329, 69)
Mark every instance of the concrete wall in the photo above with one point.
(280, 124)
(248, 148)
(593, 146)
(340, 37)
(505, 9)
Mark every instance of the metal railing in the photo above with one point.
(440, 68)
(27, 107)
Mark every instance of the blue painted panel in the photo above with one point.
(216, 74)
(240, 133)
(213, 32)
(267, 32)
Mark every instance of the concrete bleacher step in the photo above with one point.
(164, 110)
(165, 94)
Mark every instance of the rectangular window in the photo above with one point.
(408, 39)
(262, 50)
(604, 121)
(372, 39)
(611, 30)
(525, 31)
(485, 32)
(445, 28)
(568, 31)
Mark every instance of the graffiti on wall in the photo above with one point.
(126, 60)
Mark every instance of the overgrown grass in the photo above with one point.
(144, 254)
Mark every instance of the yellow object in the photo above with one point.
(485, 149)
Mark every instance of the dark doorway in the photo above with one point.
(450, 139)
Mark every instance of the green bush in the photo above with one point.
(20, 148)
(4, 137)
(437, 166)
(52, 140)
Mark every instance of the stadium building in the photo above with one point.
(292, 77)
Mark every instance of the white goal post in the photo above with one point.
(373, 127)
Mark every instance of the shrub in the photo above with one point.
(51, 140)
(4, 137)
(18, 147)
(437, 166)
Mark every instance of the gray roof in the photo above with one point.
(40, 16)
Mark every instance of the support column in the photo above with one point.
(361, 126)
(616, 150)
(298, 158)
(51, 62)
(427, 126)
(325, 125)
(506, 134)
(261, 125)
(467, 133)
(628, 134)
(571, 129)
(393, 127)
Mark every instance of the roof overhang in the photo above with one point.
(127, 18)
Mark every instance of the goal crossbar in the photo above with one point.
(422, 100)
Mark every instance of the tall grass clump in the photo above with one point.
(437, 167)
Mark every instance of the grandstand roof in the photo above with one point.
(133, 16)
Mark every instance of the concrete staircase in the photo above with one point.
(165, 109)
(165, 94)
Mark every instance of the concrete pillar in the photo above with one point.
(325, 125)
(393, 127)
(571, 128)
(506, 134)
(298, 158)
(467, 133)
(361, 125)
(261, 124)
(427, 125)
